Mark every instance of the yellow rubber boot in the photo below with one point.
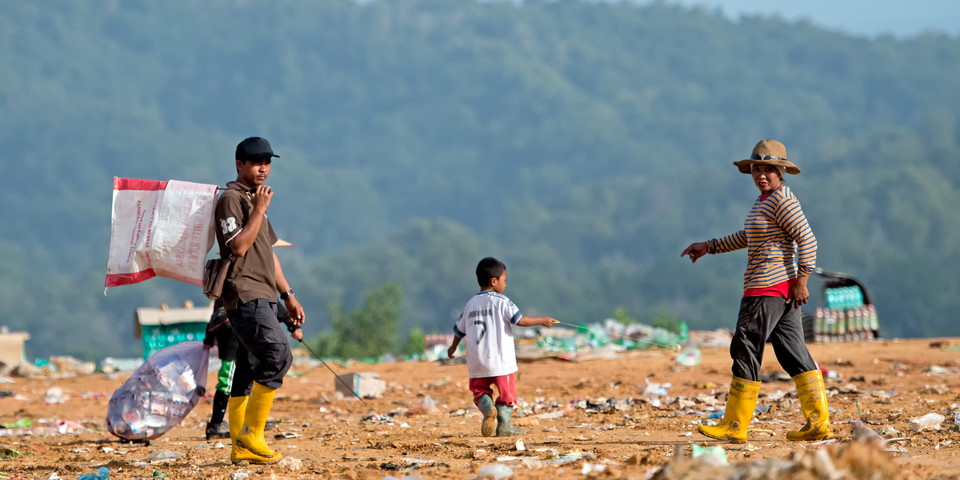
(254, 421)
(813, 404)
(236, 413)
(236, 410)
(741, 402)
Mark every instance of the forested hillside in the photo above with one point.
(585, 144)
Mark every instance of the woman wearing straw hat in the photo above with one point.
(781, 255)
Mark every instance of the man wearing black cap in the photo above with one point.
(249, 296)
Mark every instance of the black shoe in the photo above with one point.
(217, 430)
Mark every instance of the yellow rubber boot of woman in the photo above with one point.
(254, 421)
(813, 403)
(741, 402)
(236, 412)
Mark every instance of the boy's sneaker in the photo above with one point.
(217, 430)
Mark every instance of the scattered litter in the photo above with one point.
(840, 460)
(531, 462)
(689, 357)
(494, 472)
(549, 415)
(656, 389)
(164, 455)
(160, 393)
(8, 453)
(418, 462)
(55, 395)
(930, 421)
(241, 474)
(102, 473)
(864, 433)
(936, 389)
(23, 422)
(567, 457)
(377, 418)
(715, 455)
(291, 464)
(364, 385)
(589, 468)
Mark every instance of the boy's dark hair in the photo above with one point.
(489, 268)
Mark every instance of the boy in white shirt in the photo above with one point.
(487, 323)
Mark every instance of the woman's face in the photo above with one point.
(766, 178)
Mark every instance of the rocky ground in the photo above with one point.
(630, 416)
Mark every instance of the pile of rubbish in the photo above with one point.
(863, 458)
(600, 340)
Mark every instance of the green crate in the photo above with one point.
(156, 337)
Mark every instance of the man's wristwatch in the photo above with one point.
(286, 295)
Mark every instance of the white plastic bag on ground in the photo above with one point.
(160, 393)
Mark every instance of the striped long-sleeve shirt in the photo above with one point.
(775, 232)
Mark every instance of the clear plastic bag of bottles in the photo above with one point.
(160, 393)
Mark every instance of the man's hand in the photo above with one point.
(695, 251)
(297, 334)
(260, 197)
(295, 310)
(451, 351)
(548, 322)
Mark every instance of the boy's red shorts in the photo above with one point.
(505, 386)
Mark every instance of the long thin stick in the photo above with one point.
(302, 343)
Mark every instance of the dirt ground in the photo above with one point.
(612, 419)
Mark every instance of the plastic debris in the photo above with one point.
(292, 464)
(930, 421)
(589, 468)
(102, 473)
(164, 455)
(23, 422)
(55, 395)
(656, 389)
(715, 455)
(160, 393)
(689, 357)
(494, 472)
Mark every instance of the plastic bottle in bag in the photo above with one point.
(160, 393)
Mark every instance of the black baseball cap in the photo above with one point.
(254, 148)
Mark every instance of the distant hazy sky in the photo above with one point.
(855, 17)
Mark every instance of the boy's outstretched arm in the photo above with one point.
(534, 321)
(453, 347)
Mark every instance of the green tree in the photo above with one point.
(414, 343)
(370, 331)
(621, 316)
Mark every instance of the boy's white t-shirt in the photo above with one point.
(486, 330)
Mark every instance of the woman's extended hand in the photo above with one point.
(695, 251)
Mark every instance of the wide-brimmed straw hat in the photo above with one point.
(768, 152)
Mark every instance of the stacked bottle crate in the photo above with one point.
(845, 318)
